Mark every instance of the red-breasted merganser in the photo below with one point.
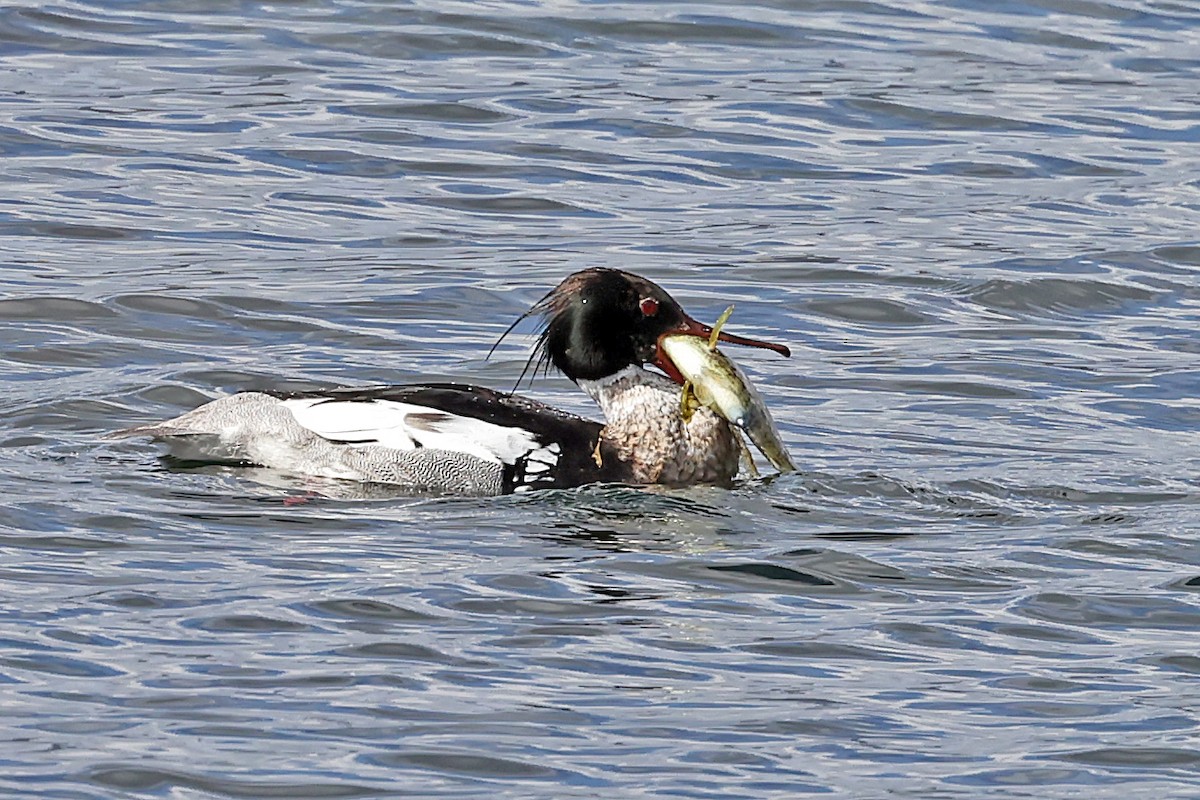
(601, 326)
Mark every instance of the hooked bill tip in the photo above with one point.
(731, 338)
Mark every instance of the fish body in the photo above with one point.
(719, 384)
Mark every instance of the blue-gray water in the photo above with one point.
(976, 223)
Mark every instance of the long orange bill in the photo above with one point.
(691, 327)
(694, 328)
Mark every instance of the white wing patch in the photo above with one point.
(405, 426)
(354, 422)
(541, 460)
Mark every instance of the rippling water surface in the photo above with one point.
(975, 223)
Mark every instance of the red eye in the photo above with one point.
(649, 306)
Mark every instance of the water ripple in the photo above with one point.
(974, 223)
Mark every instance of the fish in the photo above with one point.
(714, 381)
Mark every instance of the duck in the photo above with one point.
(600, 327)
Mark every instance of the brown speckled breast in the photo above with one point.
(646, 429)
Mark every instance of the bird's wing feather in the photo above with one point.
(407, 426)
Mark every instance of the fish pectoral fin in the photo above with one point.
(599, 459)
(688, 402)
